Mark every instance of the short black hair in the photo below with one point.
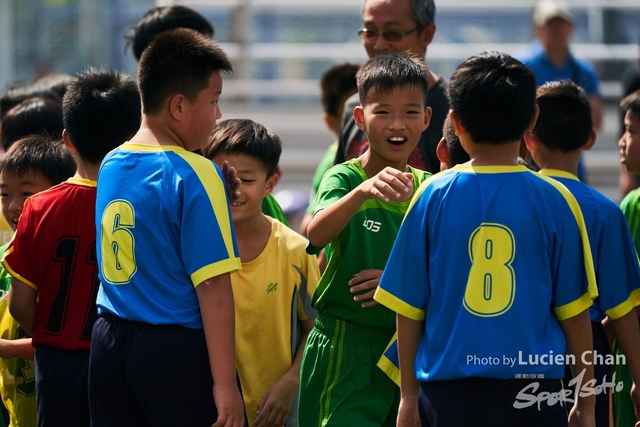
(455, 153)
(178, 61)
(32, 116)
(494, 96)
(631, 102)
(56, 82)
(21, 91)
(565, 121)
(101, 109)
(163, 18)
(39, 154)
(336, 85)
(244, 136)
(386, 72)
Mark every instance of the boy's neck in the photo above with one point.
(487, 154)
(154, 131)
(252, 236)
(86, 170)
(558, 160)
(373, 164)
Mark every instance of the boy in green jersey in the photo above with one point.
(360, 206)
(626, 414)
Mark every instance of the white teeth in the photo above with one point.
(396, 139)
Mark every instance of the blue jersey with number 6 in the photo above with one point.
(163, 227)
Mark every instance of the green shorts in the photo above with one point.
(624, 412)
(340, 384)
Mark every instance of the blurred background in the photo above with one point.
(280, 48)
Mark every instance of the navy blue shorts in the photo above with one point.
(149, 375)
(61, 387)
(489, 402)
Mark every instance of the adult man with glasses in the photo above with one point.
(399, 26)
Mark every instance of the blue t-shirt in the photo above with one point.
(491, 259)
(614, 255)
(577, 70)
(163, 227)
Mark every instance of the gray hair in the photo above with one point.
(422, 11)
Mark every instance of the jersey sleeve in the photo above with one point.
(574, 281)
(18, 256)
(404, 286)
(208, 240)
(333, 187)
(619, 271)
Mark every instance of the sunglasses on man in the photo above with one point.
(388, 35)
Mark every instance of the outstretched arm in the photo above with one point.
(327, 224)
(215, 298)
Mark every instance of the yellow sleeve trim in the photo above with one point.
(396, 304)
(228, 265)
(625, 307)
(16, 275)
(574, 308)
(586, 247)
(387, 365)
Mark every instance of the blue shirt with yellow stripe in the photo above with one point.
(164, 226)
(491, 259)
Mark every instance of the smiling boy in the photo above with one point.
(272, 293)
(360, 206)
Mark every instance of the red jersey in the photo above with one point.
(54, 252)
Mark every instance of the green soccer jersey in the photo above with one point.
(5, 277)
(365, 243)
(624, 411)
(324, 165)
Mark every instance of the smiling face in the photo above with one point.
(384, 15)
(629, 144)
(254, 185)
(14, 191)
(394, 122)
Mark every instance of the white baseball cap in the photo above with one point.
(546, 10)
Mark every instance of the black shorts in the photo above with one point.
(61, 387)
(149, 375)
(489, 402)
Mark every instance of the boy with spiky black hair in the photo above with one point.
(52, 257)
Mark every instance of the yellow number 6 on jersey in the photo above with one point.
(118, 244)
(491, 284)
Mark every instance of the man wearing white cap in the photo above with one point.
(552, 60)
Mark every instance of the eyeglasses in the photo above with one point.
(388, 35)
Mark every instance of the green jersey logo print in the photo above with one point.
(271, 288)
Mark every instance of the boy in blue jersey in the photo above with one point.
(563, 130)
(486, 282)
(360, 206)
(162, 351)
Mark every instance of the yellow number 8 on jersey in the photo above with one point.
(118, 244)
(491, 284)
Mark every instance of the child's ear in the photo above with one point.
(358, 117)
(590, 143)
(530, 141)
(427, 117)
(441, 150)
(273, 181)
(177, 105)
(457, 124)
(67, 141)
